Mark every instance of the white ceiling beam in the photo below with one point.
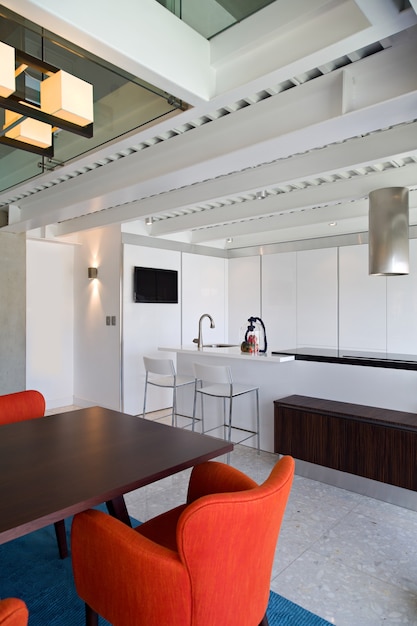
(296, 201)
(308, 114)
(399, 141)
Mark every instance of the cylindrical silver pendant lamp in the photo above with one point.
(388, 231)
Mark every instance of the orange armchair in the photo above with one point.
(13, 612)
(26, 405)
(203, 563)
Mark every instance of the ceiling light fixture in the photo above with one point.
(261, 195)
(64, 102)
(149, 221)
(7, 75)
(388, 232)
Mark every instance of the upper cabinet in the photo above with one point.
(317, 307)
(279, 299)
(362, 302)
(204, 290)
(402, 309)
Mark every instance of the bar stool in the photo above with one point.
(161, 373)
(216, 381)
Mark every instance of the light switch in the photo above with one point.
(113, 320)
(107, 320)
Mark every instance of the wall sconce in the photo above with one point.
(92, 272)
(388, 232)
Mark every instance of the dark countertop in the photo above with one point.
(352, 357)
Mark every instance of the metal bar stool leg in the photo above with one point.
(225, 433)
(194, 403)
(230, 425)
(202, 409)
(174, 406)
(144, 395)
(257, 421)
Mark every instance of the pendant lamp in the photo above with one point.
(388, 232)
(28, 130)
(68, 97)
(7, 65)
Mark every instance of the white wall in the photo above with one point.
(97, 346)
(72, 356)
(50, 321)
(146, 326)
(317, 302)
(244, 294)
(299, 298)
(325, 298)
(204, 290)
(279, 299)
(402, 309)
(362, 303)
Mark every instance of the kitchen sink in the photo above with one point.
(220, 345)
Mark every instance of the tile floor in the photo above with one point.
(346, 557)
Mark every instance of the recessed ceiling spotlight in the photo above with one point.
(229, 240)
(332, 223)
(261, 195)
(149, 221)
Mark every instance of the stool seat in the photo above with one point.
(223, 390)
(170, 381)
(216, 381)
(161, 373)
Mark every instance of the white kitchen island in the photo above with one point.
(273, 374)
(277, 376)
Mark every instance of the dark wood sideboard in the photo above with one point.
(373, 442)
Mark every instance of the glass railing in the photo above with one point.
(122, 102)
(211, 17)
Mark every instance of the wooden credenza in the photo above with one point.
(376, 443)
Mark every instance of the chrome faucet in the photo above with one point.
(199, 340)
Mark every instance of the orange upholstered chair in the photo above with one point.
(13, 612)
(205, 563)
(26, 405)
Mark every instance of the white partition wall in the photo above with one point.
(96, 344)
(317, 306)
(50, 321)
(279, 299)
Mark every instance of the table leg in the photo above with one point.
(117, 508)
(61, 537)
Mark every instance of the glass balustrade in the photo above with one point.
(122, 102)
(211, 17)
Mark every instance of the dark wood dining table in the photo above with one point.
(59, 465)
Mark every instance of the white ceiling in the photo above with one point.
(314, 104)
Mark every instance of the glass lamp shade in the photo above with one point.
(7, 66)
(68, 97)
(28, 131)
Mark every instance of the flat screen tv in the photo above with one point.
(155, 285)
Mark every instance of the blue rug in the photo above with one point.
(32, 570)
